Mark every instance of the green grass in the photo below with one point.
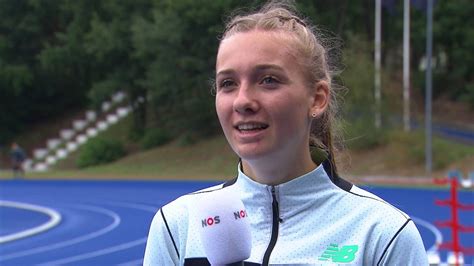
(403, 154)
(210, 159)
(206, 159)
(410, 148)
(399, 153)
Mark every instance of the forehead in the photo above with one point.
(256, 47)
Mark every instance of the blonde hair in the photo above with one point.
(281, 17)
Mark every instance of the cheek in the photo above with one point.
(292, 115)
(223, 110)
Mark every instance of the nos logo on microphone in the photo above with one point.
(210, 221)
(240, 214)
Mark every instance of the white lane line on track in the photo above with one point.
(111, 249)
(110, 227)
(55, 219)
(97, 253)
(433, 229)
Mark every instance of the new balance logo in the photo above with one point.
(345, 254)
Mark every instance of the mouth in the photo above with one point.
(250, 126)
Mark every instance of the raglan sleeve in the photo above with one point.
(406, 248)
(161, 247)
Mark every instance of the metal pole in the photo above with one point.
(406, 65)
(429, 47)
(378, 37)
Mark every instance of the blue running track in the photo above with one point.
(106, 222)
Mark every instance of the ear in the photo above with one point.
(319, 99)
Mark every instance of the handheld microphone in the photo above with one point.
(224, 227)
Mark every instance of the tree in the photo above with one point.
(178, 47)
(109, 42)
(25, 28)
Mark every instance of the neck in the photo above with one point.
(276, 170)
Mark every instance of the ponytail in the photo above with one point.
(321, 141)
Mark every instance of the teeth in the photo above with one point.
(251, 126)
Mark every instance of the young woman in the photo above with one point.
(275, 103)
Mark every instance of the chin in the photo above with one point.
(251, 153)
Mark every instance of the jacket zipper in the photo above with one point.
(275, 226)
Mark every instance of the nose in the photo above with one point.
(246, 100)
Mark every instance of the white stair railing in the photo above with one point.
(82, 130)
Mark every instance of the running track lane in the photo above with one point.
(106, 222)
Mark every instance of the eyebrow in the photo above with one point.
(269, 66)
(256, 68)
(225, 72)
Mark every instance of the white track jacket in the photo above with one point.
(315, 219)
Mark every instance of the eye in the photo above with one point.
(269, 80)
(226, 84)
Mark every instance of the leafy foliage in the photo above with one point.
(73, 54)
(178, 48)
(453, 38)
(359, 129)
(155, 137)
(99, 151)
